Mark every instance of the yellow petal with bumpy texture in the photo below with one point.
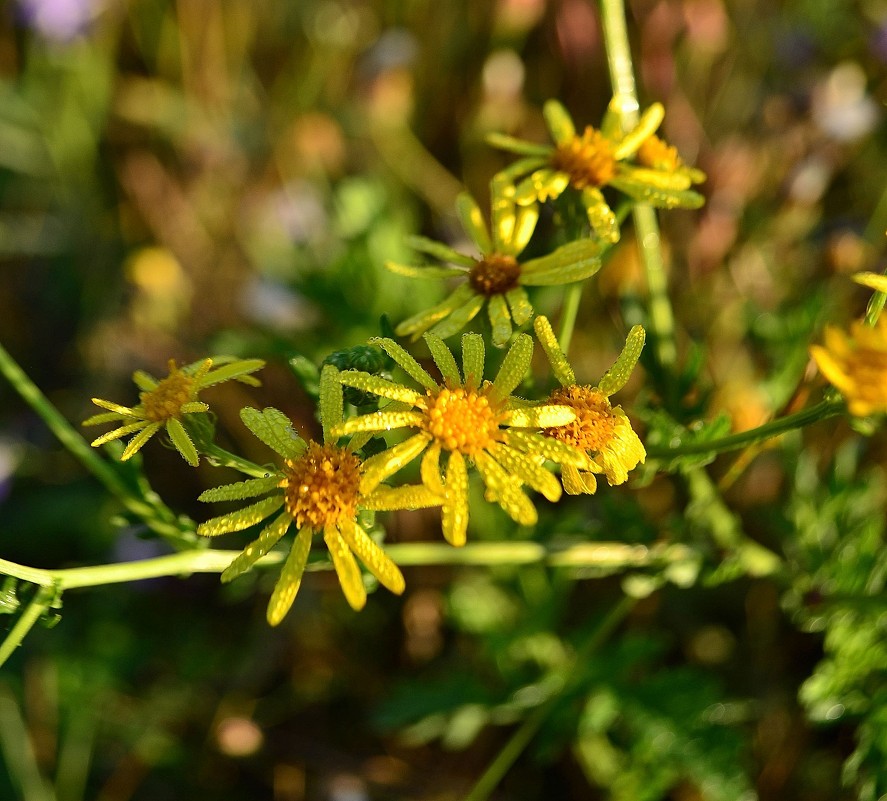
(375, 559)
(268, 538)
(454, 513)
(528, 469)
(500, 320)
(117, 433)
(617, 376)
(514, 366)
(546, 447)
(443, 358)
(346, 569)
(430, 470)
(407, 363)
(378, 421)
(379, 386)
(182, 441)
(379, 467)
(556, 358)
(290, 578)
(241, 519)
(874, 281)
(648, 124)
(576, 483)
(519, 303)
(408, 496)
(136, 443)
(506, 491)
(251, 488)
(546, 416)
(331, 400)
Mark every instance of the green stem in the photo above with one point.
(43, 599)
(646, 227)
(155, 513)
(222, 458)
(874, 308)
(806, 417)
(528, 729)
(568, 315)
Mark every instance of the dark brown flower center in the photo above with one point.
(494, 275)
(587, 159)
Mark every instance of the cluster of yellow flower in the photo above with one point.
(462, 421)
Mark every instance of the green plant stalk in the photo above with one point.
(528, 729)
(600, 555)
(41, 601)
(813, 414)
(568, 316)
(646, 227)
(155, 514)
(222, 458)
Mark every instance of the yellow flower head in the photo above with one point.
(164, 403)
(318, 489)
(496, 278)
(467, 421)
(856, 364)
(600, 430)
(636, 163)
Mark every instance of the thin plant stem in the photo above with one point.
(646, 227)
(41, 601)
(528, 729)
(155, 513)
(805, 417)
(568, 316)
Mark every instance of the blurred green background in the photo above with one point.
(186, 178)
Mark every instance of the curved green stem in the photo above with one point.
(43, 599)
(528, 729)
(806, 417)
(222, 458)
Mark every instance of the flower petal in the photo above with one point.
(407, 496)
(430, 470)
(415, 325)
(439, 250)
(648, 124)
(444, 359)
(546, 416)
(546, 447)
(473, 359)
(330, 399)
(182, 441)
(241, 519)
(617, 376)
(268, 538)
(379, 467)
(460, 317)
(109, 417)
(576, 483)
(660, 198)
(500, 320)
(275, 429)
(235, 369)
(454, 512)
(123, 411)
(600, 216)
(379, 421)
(290, 578)
(559, 122)
(407, 363)
(136, 443)
(556, 358)
(515, 145)
(144, 381)
(251, 488)
(528, 470)
(519, 303)
(346, 568)
(375, 559)
(423, 270)
(506, 491)
(572, 262)
(379, 386)
(473, 222)
(514, 366)
(117, 433)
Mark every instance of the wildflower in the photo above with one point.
(856, 365)
(601, 430)
(589, 161)
(468, 421)
(318, 489)
(497, 278)
(164, 403)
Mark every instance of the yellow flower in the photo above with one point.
(469, 421)
(856, 364)
(163, 403)
(601, 430)
(589, 161)
(496, 278)
(318, 489)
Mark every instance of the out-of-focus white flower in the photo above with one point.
(842, 108)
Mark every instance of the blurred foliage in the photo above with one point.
(182, 178)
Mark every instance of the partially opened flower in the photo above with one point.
(856, 365)
(601, 430)
(589, 161)
(317, 490)
(496, 278)
(164, 403)
(462, 422)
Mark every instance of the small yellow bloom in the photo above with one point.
(318, 489)
(600, 430)
(467, 421)
(856, 365)
(637, 163)
(496, 279)
(164, 403)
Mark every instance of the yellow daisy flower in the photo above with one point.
(496, 278)
(856, 365)
(318, 489)
(469, 421)
(589, 161)
(601, 430)
(164, 403)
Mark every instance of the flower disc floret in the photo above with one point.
(322, 487)
(595, 423)
(464, 420)
(587, 159)
(495, 274)
(165, 402)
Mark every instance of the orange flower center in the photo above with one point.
(321, 487)
(657, 154)
(463, 420)
(494, 275)
(165, 401)
(595, 425)
(587, 159)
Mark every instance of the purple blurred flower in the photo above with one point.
(59, 20)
